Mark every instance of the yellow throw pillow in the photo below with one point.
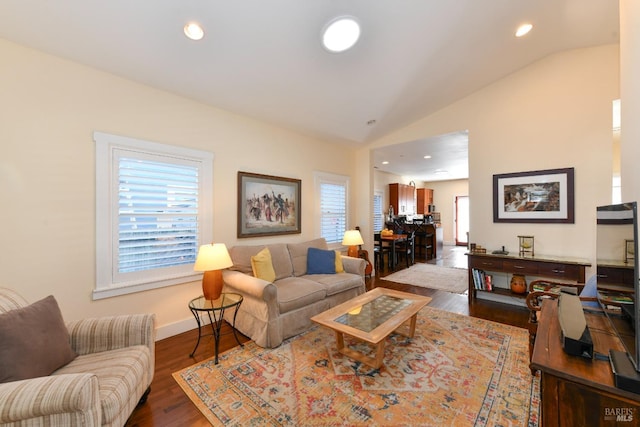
(339, 266)
(262, 266)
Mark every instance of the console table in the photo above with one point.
(576, 391)
(501, 267)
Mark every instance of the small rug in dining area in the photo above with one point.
(456, 371)
(431, 276)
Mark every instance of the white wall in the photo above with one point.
(630, 98)
(49, 109)
(444, 198)
(555, 113)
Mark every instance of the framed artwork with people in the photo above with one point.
(268, 205)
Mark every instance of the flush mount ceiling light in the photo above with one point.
(523, 30)
(340, 34)
(194, 31)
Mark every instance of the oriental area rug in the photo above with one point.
(431, 276)
(456, 371)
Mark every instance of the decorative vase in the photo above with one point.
(518, 284)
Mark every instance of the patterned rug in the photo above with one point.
(457, 371)
(431, 276)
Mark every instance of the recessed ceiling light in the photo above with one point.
(385, 162)
(340, 34)
(523, 30)
(427, 156)
(194, 31)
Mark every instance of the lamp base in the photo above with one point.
(352, 251)
(212, 284)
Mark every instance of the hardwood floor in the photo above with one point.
(167, 405)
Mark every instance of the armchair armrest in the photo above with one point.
(110, 333)
(354, 265)
(69, 399)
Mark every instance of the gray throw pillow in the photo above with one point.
(34, 341)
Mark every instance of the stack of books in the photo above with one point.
(481, 280)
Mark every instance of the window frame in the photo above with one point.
(108, 150)
(378, 194)
(331, 178)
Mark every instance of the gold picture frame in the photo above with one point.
(268, 205)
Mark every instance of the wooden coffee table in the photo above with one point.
(372, 317)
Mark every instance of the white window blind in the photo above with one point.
(333, 207)
(378, 217)
(157, 214)
(153, 211)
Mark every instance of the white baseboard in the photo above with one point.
(176, 328)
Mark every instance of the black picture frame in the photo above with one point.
(268, 205)
(544, 196)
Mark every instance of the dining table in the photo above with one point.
(393, 239)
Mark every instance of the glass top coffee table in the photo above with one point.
(372, 317)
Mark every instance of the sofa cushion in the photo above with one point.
(241, 257)
(321, 261)
(336, 283)
(298, 292)
(298, 253)
(281, 260)
(122, 374)
(35, 341)
(339, 264)
(262, 266)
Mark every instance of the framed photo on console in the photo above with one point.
(536, 196)
(268, 205)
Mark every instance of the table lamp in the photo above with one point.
(353, 239)
(212, 259)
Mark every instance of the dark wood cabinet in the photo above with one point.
(617, 275)
(403, 198)
(424, 198)
(504, 266)
(576, 391)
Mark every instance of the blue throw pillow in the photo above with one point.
(321, 261)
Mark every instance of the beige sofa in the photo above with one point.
(109, 369)
(274, 311)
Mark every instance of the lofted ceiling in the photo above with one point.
(435, 158)
(263, 58)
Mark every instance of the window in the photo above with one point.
(333, 193)
(152, 213)
(378, 216)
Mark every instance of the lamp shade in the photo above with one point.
(213, 256)
(352, 238)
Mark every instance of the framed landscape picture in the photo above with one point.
(537, 196)
(268, 205)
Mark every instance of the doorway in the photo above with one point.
(462, 220)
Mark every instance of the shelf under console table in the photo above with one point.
(502, 267)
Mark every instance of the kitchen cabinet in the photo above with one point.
(424, 198)
(403, 199)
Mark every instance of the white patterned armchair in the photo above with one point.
(113, 362)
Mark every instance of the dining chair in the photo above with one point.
(406, 249)
(380, 249)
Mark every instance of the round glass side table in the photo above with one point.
(215, 310)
